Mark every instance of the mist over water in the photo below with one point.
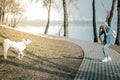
(77, 29)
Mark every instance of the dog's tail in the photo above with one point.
(6, 40)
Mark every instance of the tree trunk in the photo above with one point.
(14, 21)
(2, 7)
(3, 17)
(65, 18)
(111, 12)
(48, 21)
(94, 22)
(0, 16)
(118, 24)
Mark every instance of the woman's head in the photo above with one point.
(104, 26)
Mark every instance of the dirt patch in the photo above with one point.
(45, 59)
(116, 48)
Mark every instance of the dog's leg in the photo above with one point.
(22, 55)
(5, 55)
(5, 51)
(19, 56)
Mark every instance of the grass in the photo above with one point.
(45, 59)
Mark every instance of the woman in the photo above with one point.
(108, 40)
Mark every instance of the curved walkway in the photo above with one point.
(91, 67)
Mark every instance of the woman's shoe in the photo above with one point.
(105, 60)
(109, 58)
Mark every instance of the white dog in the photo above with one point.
(18, 46)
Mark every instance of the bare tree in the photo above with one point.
(16, 10)
(111, 12)
(65, 18)
(118, 24)
(10, 8)
(47, 4)
(2, 11)
(94, 22)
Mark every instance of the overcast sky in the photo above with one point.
(81, 10)
(85, 11)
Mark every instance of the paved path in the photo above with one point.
(92, 68)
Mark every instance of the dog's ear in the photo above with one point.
(26, 39)
(29, 41)
(23, 39)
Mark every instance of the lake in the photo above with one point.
(77, 29)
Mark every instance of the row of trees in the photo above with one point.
(11, 13)
(47, 4)
(108, 19)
